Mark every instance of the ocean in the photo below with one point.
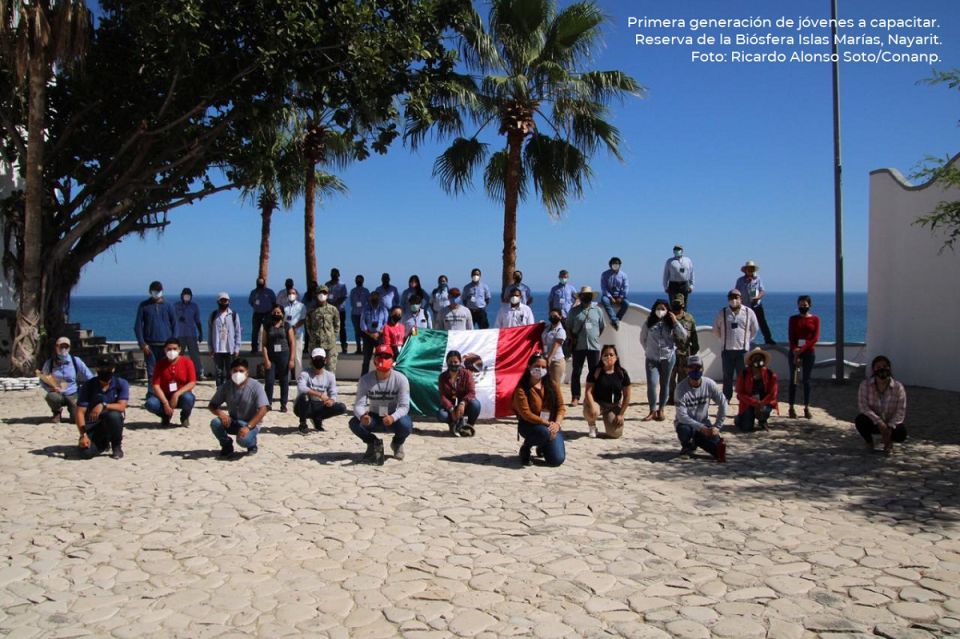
(112, 316)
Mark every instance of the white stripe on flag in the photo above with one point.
(479, 351)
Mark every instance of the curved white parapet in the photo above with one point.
(913, 303)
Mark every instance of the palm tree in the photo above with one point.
(532, 61)
(36, 36)
(321, 144)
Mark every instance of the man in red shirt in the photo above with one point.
(173, 380)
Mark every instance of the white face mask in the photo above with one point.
(475, 278)
(156, 294)
(734, 304)
(292, 298)
(615, 268)
(538, 373)
(238, 378)
(515, 300)
(173, 354)
(322, 297)
(186, 298)
(661, 313)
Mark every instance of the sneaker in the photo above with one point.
(185, 421)
(252, 450)
(398, 453)
(56, 417)
(117, 452)
(722, 452)
(454, 432)
(378, 457)
(226, 452)
(593, 431)
(688, 449)
(467, 431)
(762, 423)
(537, 452)
(164, 421)
(317, 424)
(283, 408)
(303, 428)
(792, 413)
(525, 456)
(806, 413)
(887, 450)
(368, 454)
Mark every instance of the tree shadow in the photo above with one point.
(329, 457)
(485, 459)
(200, 453)
(59, 451)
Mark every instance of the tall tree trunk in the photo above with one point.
(309, 224)
(266, 212)
(511, 198)
(26, 341)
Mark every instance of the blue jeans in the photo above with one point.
(746, 420)
(691, 436)
(658, 374)
(806, 370)
(401, 429)
(223, 434)
(471, 412)
(554, 452)
(185, 404)
(607, 302)
(732, 365)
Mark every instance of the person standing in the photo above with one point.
(756, 392)
(459, 406)
(61, 377)
(383, 404)
(317, 394)
(607, 394)
(614, 287)
(440, 297)
(455, 317)
(189, 328)
(414, 288)
(538, 404)
(261, 300)
(337, 299)
(323, 326)
(690, 345)
(246, 405)
(476, 296)
(173, 382)
(358, 301)
(803, 333)
(514, 312)
(295, 314)
(155, 324)
(553, 337)
(223, 336)
(752, 292)
(526, 295)
(415, 317)
(658, 336)
(692, 421)
(735, 326)
(277, 343)
(103, 402)
(563, 295)
(283, 294)
(372, 321)
(678, 275)
(584, 325)
(882, 402)
(389, 295)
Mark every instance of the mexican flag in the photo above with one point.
(497, 358)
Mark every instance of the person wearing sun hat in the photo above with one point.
(751, 291)
(735, 325)
(756, 391)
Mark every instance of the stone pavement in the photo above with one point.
(801, 534)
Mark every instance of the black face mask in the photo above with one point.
(453, 368)
(803, 309)
(554, 319)
(318, 362)
(223, 304)
(882, 373)
(586, 299)
(676, 308)
(104, 376)
(277, 318)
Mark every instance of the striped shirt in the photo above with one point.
(888, 406)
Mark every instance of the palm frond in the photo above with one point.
(455, 166)
(557, 169)
(573, 34)
(604, 86)
(495, 177)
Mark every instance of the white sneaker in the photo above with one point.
(593, 431)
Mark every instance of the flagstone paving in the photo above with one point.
(802, 533)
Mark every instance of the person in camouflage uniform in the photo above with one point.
(685, 347)
(323, 326)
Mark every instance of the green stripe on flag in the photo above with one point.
(421, 360)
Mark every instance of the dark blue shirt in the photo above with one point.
(262, 300)
(155, 322)
(91, 393)
(188, 320)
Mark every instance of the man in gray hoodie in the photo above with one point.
(383, 403)
(693, 398)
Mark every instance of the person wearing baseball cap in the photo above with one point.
(317, 393)
(61, 376)
(735, 325)
(383, 404)
(692, 419)
(223, 336)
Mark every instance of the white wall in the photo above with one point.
(913, 298)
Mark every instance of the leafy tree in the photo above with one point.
(946, 172)
(551, 110)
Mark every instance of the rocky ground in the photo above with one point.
(801, 534)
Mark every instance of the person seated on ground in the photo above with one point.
(882, 401)
(394, 332)
(103, 401)
(659, 336)
(61, 376)
(246, 404)
(383, 403)
(416, 317)
(607, 394)
(277, 344)
(756, 391)
(692, 422)
(174, 378)
(514, 312)
(459, 406)
(538, 404)
(455, 317)
(317, 393)
(614, 287)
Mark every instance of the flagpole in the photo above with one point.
(839, 372)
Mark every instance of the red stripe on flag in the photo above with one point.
(514, 348)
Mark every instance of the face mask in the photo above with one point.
(394, 319)
(186, 298)
(678, 254)
(359, 282)
(239, 378)
(414, 308)
(475, 278)
(803, 309)
(554, 319)
(292, 298)
(322, 297)
(695, 375)
(443, 283)
(537, 373)
(734, 304)
(758, 364)
(453, 368)
(676, 308)
(515, 300)
(374, 301)
(455, 301)
(156, 294)
(64, 354)
(318, 362)
(586, 300)
(104, 376)
(882, 373)
(563, 281)
(223, 304)
(277, 318)
(385, 283)
(517, 280)
(661, 313)
(173, 354)
(384, 364)
(615, 267)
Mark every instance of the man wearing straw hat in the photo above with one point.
(751, 290)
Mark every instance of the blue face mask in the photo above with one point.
(695, 375)
(455, 300)
(678, 254)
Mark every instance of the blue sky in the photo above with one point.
(733, 161)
